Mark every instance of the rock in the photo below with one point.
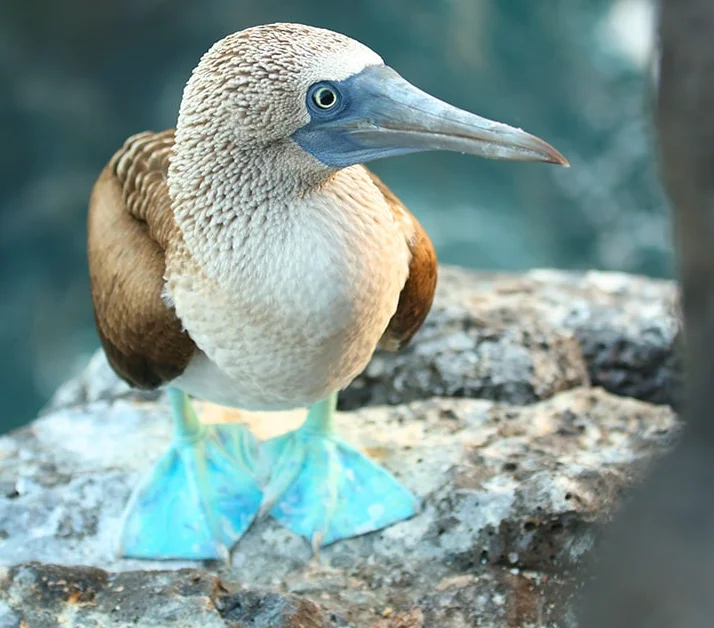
(86, 596)
(516, 464)
(520, 338)
(97, 382)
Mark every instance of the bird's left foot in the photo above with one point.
(324, 489)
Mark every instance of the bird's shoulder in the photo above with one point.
(417, 295)
(130, 227)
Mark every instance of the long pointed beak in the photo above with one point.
(400, 115)
(385, 115)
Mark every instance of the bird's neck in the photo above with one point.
(253, 230)
(212, 173)
(228, 193)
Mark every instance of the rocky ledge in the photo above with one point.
(520, 413)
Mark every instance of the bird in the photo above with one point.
(247, 257)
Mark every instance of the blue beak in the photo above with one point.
(377, 114)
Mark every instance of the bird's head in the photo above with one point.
(335, 99)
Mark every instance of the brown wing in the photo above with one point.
(418, 293)
(129, 226)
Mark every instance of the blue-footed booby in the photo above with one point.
(249, 259)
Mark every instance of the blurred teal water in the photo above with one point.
(79, 76)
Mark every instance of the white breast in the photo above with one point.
(293, 309)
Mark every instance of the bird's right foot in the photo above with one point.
(200, 497)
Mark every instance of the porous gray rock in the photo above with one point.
(55, 595)
(515, 463)
(521, 338)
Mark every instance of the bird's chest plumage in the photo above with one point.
(293, 310)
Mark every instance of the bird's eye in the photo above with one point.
(324, 97)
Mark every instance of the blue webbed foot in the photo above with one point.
(200, 497)
(324, 489)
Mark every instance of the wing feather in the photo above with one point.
(417, 295)
(130, 225)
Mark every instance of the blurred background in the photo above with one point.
(79, 76)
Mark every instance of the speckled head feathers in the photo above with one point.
(295, 103)
(256, 80)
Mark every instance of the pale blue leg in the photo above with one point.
(324, 489)
(199, 498)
